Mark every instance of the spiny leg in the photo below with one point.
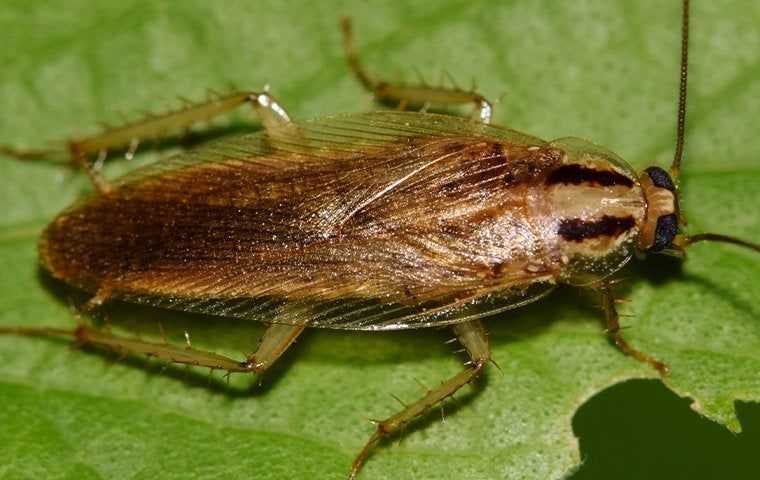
(474, 339)
(275, 340)
(403, 95)
(613, 330)
(129, 136)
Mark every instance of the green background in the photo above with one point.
(602, 70)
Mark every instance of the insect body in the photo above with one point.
(413, 223)
(380, 221)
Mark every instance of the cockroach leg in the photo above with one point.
(269, 110)
(403, 95)
(472, 336)
(613, 330)
(85, 335)
(271, 113)
(274, 342)
(92, 169)
(96, 301)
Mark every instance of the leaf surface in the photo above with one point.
(600, 70)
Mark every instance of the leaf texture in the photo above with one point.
(600, 70)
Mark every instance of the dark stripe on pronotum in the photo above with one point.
(577, 174)
(577, 230)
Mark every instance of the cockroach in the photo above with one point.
(379, 221)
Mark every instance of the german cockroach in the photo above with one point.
(379, 221)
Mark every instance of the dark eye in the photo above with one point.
(666, 231)
(661, 178)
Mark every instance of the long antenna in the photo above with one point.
(717, 237)
(675, 168)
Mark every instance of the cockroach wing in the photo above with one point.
(373, 221)
(354, 313)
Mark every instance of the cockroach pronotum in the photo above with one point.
(379, 221)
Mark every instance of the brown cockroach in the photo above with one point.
(378, 221)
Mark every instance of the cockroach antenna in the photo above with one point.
(675, 168)
(684, 241)
(681, 242)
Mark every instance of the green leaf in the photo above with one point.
(600, 70)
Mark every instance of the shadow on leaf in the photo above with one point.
(640, 429)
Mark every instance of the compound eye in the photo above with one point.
(665, 232)
(661, 178)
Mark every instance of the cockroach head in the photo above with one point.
(661, 224)
(660, 232)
